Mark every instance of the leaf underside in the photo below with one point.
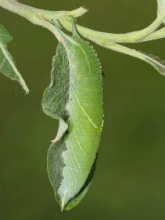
(7, 66)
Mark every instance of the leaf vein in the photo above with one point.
(86, 114)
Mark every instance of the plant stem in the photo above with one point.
(146, 34)
(40, 17)
(150, 59)
(35, 15)
(154, 36)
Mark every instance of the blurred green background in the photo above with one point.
(129, 182)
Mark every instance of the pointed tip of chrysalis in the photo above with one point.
(62, 208)
(63, 202)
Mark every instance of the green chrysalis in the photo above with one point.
(75, 98)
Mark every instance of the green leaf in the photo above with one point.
(75, 98)
(7, 66)
(161, 7)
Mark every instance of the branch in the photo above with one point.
(44, 17)
(98, 37)
(35, 15)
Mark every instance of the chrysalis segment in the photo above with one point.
(72, 156)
